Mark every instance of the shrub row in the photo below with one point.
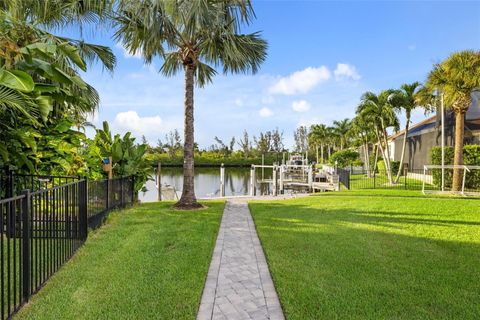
(471, 156)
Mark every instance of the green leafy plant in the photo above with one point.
(344, 158)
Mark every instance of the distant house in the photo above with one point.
(426, 134)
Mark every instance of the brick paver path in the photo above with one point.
(238, 285)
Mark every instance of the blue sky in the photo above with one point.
(322, 56)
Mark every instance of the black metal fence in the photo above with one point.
(104, 195)
(344, 177)
(411, 179)
(12, 184)
(41, 230)
(363, 179)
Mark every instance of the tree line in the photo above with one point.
(246, 146)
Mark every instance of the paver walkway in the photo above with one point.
(238, 285)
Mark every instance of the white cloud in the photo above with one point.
(127, 54)
(301, 81)
(238, 102)
(265, 112)
(301, 106)
(131, 121)
(346, 71)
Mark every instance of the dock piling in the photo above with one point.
(159, 181)
(274, 178)
(222, 181)
(252, 181)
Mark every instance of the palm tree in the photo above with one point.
(341, 127)
(405, 99)
(331, 140)
(378, 111)
(193, 36)
(317, 137)
(360, 128)
(457, 77)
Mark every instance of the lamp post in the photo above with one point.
(437, 93)
(443, 141)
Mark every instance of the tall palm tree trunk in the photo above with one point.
(321, 153)
(458, 157)
(316, 149)
(366, 158)
(188, 199)
(386, 158)
(376, 160)
(404, 146)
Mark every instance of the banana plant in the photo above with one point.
(128, 157)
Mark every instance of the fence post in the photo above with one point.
(26, 245)
(133, 189)
(68, 225)
(348, 180)
(107, 202)
(82, 208)
(405, 175)
(122, 198)
(374, 180)
(9, 193)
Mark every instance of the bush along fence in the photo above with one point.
(42, 229)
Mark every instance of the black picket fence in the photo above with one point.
(41, 230)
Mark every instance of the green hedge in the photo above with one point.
(471, 156)
(345, 158)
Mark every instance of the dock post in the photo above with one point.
(252, 181)
(274, 177)
(310, 178)
(281, 179)
(263, 168)
(159, 181)
(222, 181)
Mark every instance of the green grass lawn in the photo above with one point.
(369, 254)
(148, 262)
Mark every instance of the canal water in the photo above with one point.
(207, 182)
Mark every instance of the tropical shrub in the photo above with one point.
(344, 158)
(471, 156)
(128, 157)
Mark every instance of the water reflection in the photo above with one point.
(207, 182)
